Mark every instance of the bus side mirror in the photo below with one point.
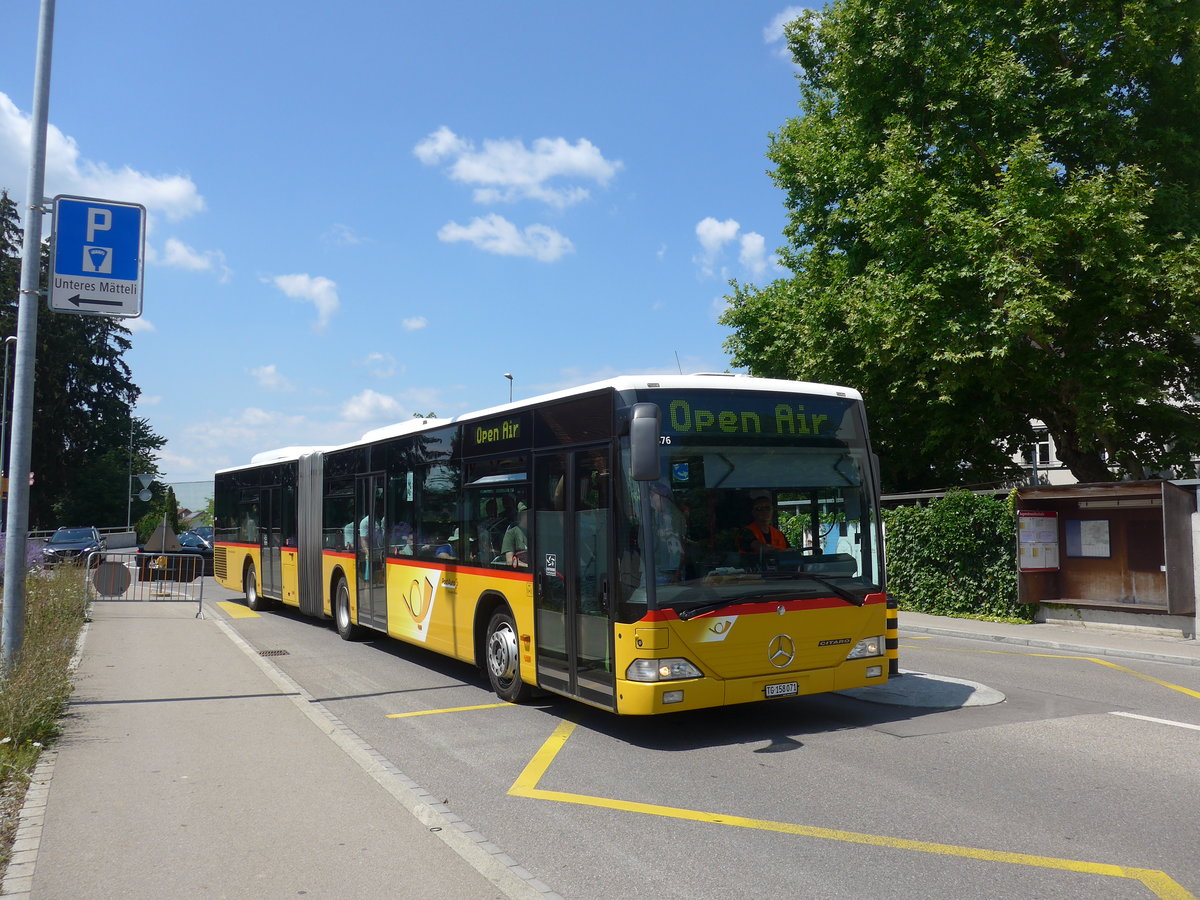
(643, 441)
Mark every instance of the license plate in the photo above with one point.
(787, 689)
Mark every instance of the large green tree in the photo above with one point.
(994, 212)
(83, 435)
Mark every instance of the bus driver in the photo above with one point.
(760, 534)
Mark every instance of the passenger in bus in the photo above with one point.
(448, 549)
(509, 514)
(402, 539)
(760, 534)
(515, 546)
(491, 531)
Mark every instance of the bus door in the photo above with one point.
(370, 558)
(269, 537)
(571, 568)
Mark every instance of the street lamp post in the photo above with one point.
(510, 384)
(8, 341)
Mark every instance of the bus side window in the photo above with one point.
(400, 515)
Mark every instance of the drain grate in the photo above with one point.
(272, 653)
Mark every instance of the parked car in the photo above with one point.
(193, 559)
(73, 546)
(205, 531)
(195, 543)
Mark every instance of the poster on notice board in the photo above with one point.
(1037, 540)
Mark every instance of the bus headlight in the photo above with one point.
(661, 670)
(872, 646)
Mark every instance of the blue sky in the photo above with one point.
(363, 210)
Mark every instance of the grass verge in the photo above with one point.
(34, 696)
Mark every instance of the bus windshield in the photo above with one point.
(758, 511)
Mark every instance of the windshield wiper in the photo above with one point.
(840, 591)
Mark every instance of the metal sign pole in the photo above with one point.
(27, 310)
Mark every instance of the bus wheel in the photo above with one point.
(504, 660)
(250, 588)
(346, 629)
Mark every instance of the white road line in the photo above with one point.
(1159, 721)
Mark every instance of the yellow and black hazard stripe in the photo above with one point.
(892, 636)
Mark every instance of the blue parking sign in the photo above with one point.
(97, 256)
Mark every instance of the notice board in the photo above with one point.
(1037, 540)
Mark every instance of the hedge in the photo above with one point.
(956, 557)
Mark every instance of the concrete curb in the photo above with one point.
(1089, 649)
(17, 879)
(473, 847)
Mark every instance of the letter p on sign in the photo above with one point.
(97, 220)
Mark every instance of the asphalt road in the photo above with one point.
(1082, 782)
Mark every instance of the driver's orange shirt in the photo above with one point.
(774, 537)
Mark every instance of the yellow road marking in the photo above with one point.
(1092, 659)
(237, 610)
(435, 712)
(1161, 884)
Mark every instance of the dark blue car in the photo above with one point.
(73, 546)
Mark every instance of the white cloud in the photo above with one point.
(495, 234)
(179, 255)
(268, 377)
(371, 406)
(714, 236)
(319, 291)
(773, 33)
(506, 170)
(381, 365)
(439, 145)
(140, 324)
(254, 429)
(416, 323)
(69, 172)
(753, 256)
(341, 236)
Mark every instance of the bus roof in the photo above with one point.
(729, 381)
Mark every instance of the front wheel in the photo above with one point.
(346, 628)
(504, 660)
(254, 599)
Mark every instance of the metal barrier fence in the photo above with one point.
(146, 577)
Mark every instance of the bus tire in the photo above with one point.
(254, 600)
(502, 655)
(346, 629)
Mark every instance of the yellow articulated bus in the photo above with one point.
(643, 544)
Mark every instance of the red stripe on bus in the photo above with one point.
(514, 574)
(408, 563)
(762, 608)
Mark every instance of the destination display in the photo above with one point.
(710, 414)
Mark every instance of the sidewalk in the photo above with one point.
(187, 770)
(1094, 640)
